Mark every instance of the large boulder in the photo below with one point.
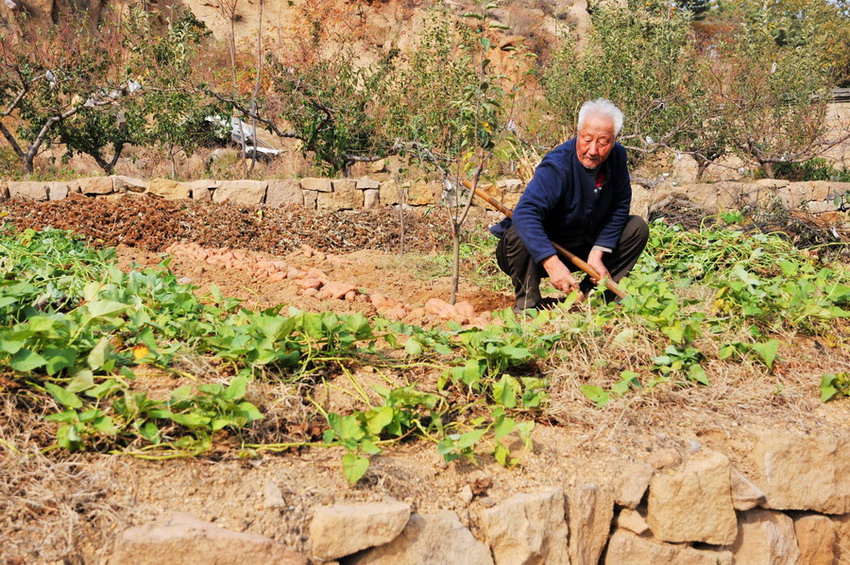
(168, 189)
(693, 502)
(95, 186)
(248, 192)
(591, 510)
(28, 190)
(345, 196)
(317, 184)
(121, 183)
(528, 528)
(631, 483)
(430, 539)
(801, 472)
(57, 190)
(343, 529)
(817, 539)
(282, 192)
(766, 538)
(745, 494)
(627, 548)
(182, 539)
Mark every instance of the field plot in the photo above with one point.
(247, 366)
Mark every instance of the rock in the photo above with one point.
(366, 183)
(632, 483)
(800, 472)
(627, 548)
(312, 283)
(343, 529)
(317, 184)
(371, 198)
(430, 539)
(335, 291)
(842, 530)
(249, 192)
(281, 192)
(424, 193)
(121, 183)
(528, 528)
(57, 190)
(745, 494)
(632, 521)
(591, 510)
(817, 539)
(310, 198)
(272, 497)
(168, 189)
(28, 191)
(664, 458)
(693, 502)
(182, 539)
(201, 194)
(345, 196)
(391, 193)
(95, 185)
(511, 185)
(379, 166)
(766, 537)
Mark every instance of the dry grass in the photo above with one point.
(50, 506)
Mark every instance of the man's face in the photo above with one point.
(595, 140)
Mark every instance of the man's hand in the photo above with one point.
(594, 259)
(559, 274)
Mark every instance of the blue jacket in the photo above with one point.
(562, 204)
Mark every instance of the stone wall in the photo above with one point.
(315, 193)
(786, 500)
(367, 192)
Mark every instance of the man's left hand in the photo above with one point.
(594, 259)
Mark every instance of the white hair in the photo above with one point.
(604, 108)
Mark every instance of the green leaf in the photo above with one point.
(354, 467)
(105, 308)
(413, 347)
(81, 381)
(97, 357)
(503, 427)
(236, 389)
(501, 454)
(191, 420)
(827, 388)
(64, 397)
(58, 359)
(249, 411)
(505, 391)
(469, 439)
(347, 428)
(768, 351)
(25, 361)
(379, 419)
(697, 373)
(595, 394)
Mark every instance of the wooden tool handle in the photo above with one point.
(578, 262)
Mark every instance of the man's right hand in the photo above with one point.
(559, 274)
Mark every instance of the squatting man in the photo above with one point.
(579, 197)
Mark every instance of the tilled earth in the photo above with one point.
(151, 223)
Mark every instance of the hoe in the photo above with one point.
(577, 261)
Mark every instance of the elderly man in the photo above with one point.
(579, 197)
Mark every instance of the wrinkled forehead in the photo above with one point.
(597, 124)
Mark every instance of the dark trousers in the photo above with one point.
(513, 259)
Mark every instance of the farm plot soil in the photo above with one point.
(56, 507)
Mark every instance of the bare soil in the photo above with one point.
(56, 507)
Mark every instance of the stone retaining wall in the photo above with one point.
(366, 192)
(786, 501)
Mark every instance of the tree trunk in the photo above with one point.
(455, 261)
